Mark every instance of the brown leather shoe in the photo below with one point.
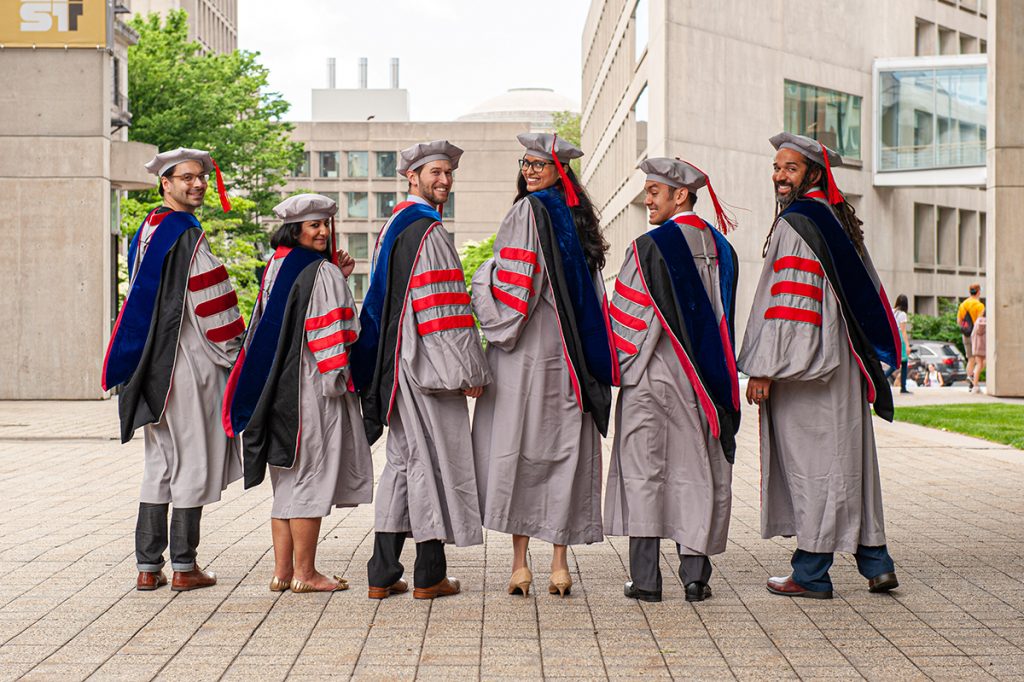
(787, 588)
(148, 581)
(446, 587)
(183, 581)
(400, 587)
(883, 582)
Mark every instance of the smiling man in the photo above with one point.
(172, 347)
(417, 358)
(819, 329)
(672, 318)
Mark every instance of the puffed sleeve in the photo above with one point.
(632, 318)
(331, 327)
(213, 306)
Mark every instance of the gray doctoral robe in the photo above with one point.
(668, 476)
(333, 466)
(819, 466)
(189, 461)
(428, 486)
(538, 455)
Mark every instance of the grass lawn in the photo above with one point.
(998, 422)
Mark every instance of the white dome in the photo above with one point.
(535, 105)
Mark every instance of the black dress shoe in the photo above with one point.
(634, 592)
(697, 591)
(883, 582)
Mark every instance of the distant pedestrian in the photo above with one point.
(290, 392)
(899, 313)
(978, 351)
(933, 377)
(966, 315)
(171, 350)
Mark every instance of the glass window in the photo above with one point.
(330, 195)
(302, 170)
(387, 164)
(641, 114)
(357, 204)
(328, 164)
(448, 212)
(358, 164)
(385, 203)
(932, 118)
(642, 24)
(832, 118)
(358, 245)
(359, 283)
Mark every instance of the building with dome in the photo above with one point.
(351, 155)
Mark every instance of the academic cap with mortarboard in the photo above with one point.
(163, 161)
(816, 152)
(677, 173)
(548, 146)
(303, 207)
(425, 152)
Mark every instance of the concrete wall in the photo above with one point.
(715, 87)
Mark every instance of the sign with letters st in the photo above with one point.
(53, 23)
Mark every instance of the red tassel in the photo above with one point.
(570, 191)
(834, 197)
(333, 247)
(221, 192)
(724, 222)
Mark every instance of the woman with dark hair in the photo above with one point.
(542, 309)
(899, 312)
(290, 392)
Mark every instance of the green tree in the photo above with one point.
(567, 127)
(941, 327)
(473, 254)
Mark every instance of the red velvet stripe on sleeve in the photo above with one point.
(444, 323)
(435, 276)
(626, 320)
(798, 263)
(516, 279)
(208, 279)
(782, 312)
(329, 318)
(334, 362)
(217, 305)
(630, 294)
(523, 255)
(331, 340)
(445, 298)
(797, 289)
(623, 345)
(514, 302)
(227, 331)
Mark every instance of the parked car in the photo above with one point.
(944, 355)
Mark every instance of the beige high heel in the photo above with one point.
(278, 585)
(520, 582)
(561, 583)
(300, 587)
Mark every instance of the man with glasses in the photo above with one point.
(170, 353)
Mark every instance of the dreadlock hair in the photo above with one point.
(585, 217)
(845, 213)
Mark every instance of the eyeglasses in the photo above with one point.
(189, 178)
(535, 166)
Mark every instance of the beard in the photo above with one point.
(784, 200)
(433, 196)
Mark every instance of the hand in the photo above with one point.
(473, 392)
(346, 262)
(758, 390)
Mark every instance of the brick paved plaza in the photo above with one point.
(69, 610)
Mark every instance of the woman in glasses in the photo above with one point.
(541, 306)
(290, 391)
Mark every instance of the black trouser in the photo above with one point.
(151, 537)
(644, 569)
(384, 568)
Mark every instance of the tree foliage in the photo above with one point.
(473, 254)
(567, 127)
(941, 327)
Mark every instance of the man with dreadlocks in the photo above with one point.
(818, 331)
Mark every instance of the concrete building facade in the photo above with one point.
(64, 160)
(712, 84)
(214, 23)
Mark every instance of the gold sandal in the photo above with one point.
(278, 585)
(300, 587)
(561, 583)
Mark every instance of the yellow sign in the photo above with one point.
(53, 23)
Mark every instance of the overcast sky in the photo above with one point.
(454, 53)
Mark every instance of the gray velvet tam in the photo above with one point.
(425, 152)
(302, 207)
(539, 145)
(674, 173)
(163, 161)
(807, 146)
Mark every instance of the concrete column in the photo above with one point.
(1005, 198)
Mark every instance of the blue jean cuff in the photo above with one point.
(183, 568)
(150, 568)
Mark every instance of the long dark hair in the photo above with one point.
(288, 236)
(901, 302)
(845, 212)
(585, 216)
